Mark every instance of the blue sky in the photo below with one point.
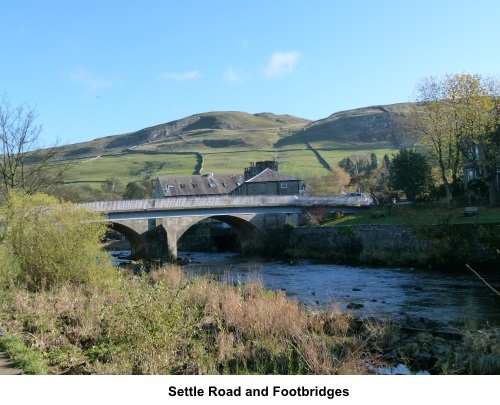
(99, 68)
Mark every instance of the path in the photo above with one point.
(6, 366)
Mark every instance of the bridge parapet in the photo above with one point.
(180, 203)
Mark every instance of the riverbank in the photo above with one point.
(434, 326)
(171, 322)
(444, 246)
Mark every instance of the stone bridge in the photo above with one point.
(153, 227)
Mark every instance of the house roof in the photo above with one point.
(199, 185)
(271, 175)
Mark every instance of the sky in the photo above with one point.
(97, 68)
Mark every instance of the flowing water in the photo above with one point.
(385, 293)
(370, 292)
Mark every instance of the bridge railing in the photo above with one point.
(180, 203)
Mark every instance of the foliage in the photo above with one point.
(410, 171)
(45, 243)
(315, 214)
(334, 183)
(135, 191)
(24, 164)
(29, 361)
(167, 323)
(78, 193)
(459, 116)
(359, 163)
(112, 185)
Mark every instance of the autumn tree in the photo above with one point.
(458, 117)
(334, 183)
(24, 163)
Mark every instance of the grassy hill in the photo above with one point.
(226, 142)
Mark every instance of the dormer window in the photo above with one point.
(183, 186)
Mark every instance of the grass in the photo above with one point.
(137, 166)
(408, 215)
(167, 323)
(245, 138)
(30, 361)
(132, 167)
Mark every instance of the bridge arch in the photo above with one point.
(249, 235)
(138, 246)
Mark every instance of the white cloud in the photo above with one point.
(180, 77)
(89, 80)
(282, 63)
(235, 76)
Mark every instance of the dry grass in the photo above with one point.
(164, 322)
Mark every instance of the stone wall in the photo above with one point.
(393, 245)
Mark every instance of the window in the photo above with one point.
(284, 185)
(171, 186)
(224, 184)
(212, 185)
(183, 186)
(195, 185)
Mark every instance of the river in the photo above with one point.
(383, 293)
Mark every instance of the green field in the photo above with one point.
(229, 142)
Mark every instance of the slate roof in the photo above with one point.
(179, 186)
(271, 175)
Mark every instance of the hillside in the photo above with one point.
(226, 142)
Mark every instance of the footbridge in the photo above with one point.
(153, 227)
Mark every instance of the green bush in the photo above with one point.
(44, 243)
(29, 360)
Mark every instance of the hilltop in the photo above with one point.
(224, 142)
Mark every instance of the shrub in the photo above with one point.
(44, 243)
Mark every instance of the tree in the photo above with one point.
(457, 116)
(24, 164)
(332, 184)
(410, 171)
(376, 183)
(359, 163)
(44, 243)
(373, 161)
(135, 191)
(476, 101)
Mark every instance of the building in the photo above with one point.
(196, 185)
(269, 182)
(258, 167)
(260, 178)
(482, 165)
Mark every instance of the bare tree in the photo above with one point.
(24, 163)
